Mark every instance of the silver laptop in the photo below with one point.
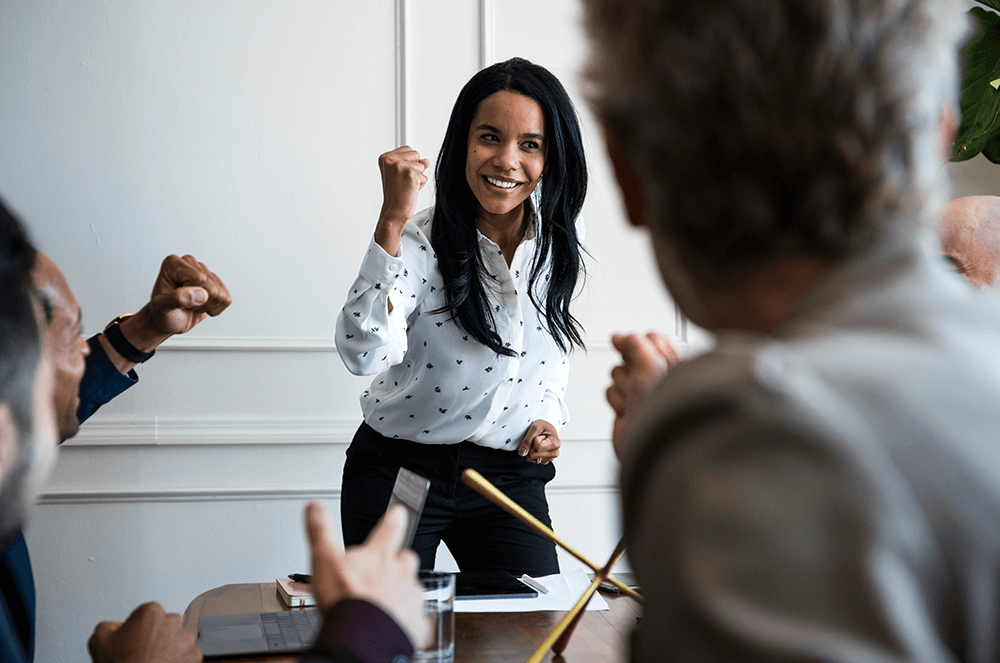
(290, 632)
(286, 632)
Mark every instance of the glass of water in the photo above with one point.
(439, 605)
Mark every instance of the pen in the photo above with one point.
(299, 577)
(534, 584)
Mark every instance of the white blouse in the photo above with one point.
(435, 383)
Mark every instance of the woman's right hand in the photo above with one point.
(403, 176)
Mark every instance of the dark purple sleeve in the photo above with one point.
(356, 631)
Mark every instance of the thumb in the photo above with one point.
(192, 296)
(664, 347)
(526, 440)
(107, 628)
(629, 346)
(187, 297)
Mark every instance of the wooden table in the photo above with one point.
(600, 637)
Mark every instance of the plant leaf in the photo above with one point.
(992, 150)
(995, 4)
(980, 100)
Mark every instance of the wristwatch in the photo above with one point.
(121, 344)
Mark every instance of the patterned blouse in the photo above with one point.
(435, 384)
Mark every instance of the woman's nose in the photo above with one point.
(506, 157)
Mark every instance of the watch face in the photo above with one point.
(118, 320)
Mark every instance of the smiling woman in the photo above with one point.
(462, 311)
(505, 160)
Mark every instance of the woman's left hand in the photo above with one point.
(541, 443)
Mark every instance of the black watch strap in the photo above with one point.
(121, 344)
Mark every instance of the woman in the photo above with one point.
(463, 312)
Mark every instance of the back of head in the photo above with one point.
(20, 351)
(763, 128)
(969, 229)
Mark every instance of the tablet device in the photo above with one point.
(490, 585)
(410, 490)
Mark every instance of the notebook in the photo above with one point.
(295, 594)
(261, 633)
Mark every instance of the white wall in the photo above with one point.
(246, 133)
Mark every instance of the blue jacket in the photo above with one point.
(101, 383)
(353, 632)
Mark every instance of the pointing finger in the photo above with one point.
(318, 530)
(389, 531)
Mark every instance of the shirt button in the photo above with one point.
(393, 268)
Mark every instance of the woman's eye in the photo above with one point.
(531, 145)
(489, 137)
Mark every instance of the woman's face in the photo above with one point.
(506, 153)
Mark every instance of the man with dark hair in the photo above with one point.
(89, 373)
(63, 361)
(27, 434)
(20, 366)
(369, 589)
(823, 485)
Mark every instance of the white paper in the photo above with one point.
(565, 589)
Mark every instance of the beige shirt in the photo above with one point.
(831, 493)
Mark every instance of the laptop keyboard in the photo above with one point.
(289, 631)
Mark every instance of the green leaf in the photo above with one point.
(995, 4)
(980, 100)
(992, 150)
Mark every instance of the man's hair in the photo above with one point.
(20, 352)
(763, 128)
(20, 340)
(564, 186)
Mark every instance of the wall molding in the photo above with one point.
(249, 344)
(172, 496)
(116, 431)
(487, 33)
(211, 431)
(327, 344)
(402, 64)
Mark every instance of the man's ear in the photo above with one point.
(628, 179)
(947, 131)
(8, 439)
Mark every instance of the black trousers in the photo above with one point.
(480, 535)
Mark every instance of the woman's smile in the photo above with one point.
(501, 183)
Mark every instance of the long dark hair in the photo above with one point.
(564, 186)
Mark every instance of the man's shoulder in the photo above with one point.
(854, 390)
(696, 392)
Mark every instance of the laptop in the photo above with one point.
(294, 631)
(286, 632)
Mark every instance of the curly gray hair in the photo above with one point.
(763, 128)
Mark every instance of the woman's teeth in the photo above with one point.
(501, 183)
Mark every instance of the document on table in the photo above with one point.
(565, 589)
